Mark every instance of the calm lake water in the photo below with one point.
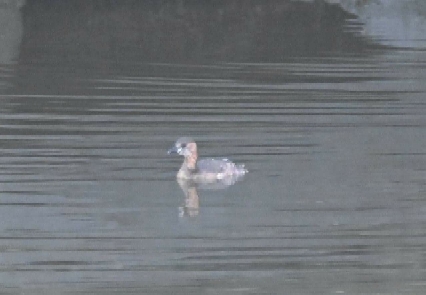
(334, 202)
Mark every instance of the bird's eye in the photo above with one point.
(183, 145)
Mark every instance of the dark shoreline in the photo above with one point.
(188, 31)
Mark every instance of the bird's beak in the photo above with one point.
(173, 150)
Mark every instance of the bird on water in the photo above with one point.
(204, 170)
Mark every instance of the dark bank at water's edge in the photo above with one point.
(188, 31)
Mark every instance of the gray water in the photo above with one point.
(334, 202)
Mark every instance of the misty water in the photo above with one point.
(334, 201)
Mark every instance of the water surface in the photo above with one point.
(334, 140)
(334, 201)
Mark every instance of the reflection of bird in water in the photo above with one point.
(205, 170)
(192, 202)
(205, 174)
